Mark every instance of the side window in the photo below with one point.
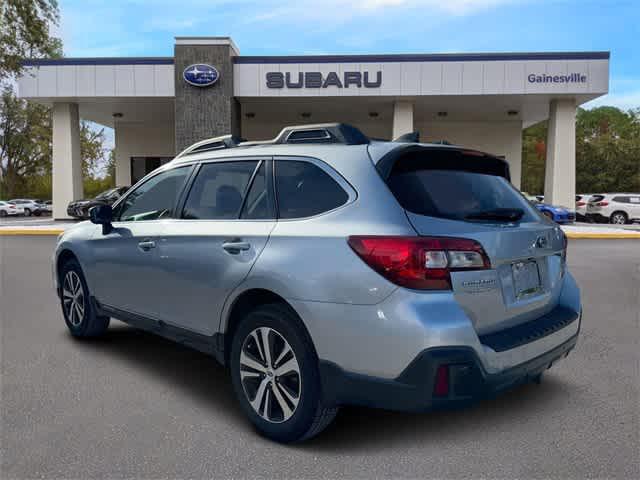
(218, 190)
(155, 198)
(621, 199)
(304, 190)
(259, 202)
(635, 200)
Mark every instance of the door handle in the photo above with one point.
(236, 246)
(146, 245)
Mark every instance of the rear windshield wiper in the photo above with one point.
(499, 214)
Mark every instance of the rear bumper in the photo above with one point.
(413, 389)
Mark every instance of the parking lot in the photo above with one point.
(136, 406)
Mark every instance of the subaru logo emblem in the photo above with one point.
(541, 242)
(200, 75)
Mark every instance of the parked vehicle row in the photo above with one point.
(24, 206)
(615, 208)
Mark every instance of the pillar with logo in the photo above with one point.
(204, 102)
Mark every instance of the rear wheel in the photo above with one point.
(275, 375)
(77, 308)
(27, 212)
(618, 218)
(3, 213)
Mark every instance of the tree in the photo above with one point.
(26, 150)
(607, 152)
(25, 33)
(25, 143)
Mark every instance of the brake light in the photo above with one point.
(421, 263)
(441, 384)
(602, 204)
(580, 204)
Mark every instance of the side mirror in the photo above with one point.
(102, 215)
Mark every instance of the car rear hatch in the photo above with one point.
(596, 203)
(465, 194)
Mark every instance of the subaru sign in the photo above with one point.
(200, 75)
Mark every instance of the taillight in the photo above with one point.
(421, 263)
(580, 204)
(602, 204)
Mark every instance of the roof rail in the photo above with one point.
(339, 133)
(216, 143)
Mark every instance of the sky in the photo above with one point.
(92, 28)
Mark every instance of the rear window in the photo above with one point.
(304, 190)
(454, 194)
(596, 198)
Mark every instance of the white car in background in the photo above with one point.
(616, 208)
(581, 206)
(7, 209)
(29, 205)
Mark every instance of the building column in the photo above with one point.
(67, 162)
(123, 161)
(402, 118)
(560, 173)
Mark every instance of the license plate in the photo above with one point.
(526, 278)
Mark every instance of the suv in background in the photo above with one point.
(324, 268)
(616, 208)
(30, 206)
(80, 208)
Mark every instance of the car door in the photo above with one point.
(125, 267)
(225, 222)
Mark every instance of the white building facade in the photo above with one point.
(481, 101)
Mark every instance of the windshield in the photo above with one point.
(106, 194)
(459, 195)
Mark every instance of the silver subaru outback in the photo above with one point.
(324, 268)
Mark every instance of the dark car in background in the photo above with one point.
(80, 208)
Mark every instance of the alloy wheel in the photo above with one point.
(270, 375)
(618, 219)
(73, 298)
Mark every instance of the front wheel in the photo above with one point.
(77, 308)
(274, 370)
(27, 212)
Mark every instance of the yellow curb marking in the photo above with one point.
(22, 231)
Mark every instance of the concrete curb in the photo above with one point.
(572, 235)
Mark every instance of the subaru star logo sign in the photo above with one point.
(200, 75)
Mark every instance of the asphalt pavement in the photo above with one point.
(132, 405)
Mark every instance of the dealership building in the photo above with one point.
(158, 106)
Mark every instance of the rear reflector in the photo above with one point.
(421, 263)
(441, 385)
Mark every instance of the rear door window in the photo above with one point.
(218, 191)
(304, 190)
(454, 194)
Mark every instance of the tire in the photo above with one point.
(299, 389)
(78, 309)
(37, 213)
(27, 212)
(3, 213)
(618, 218)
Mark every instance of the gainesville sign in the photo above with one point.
(572, 78)
(318, 80)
